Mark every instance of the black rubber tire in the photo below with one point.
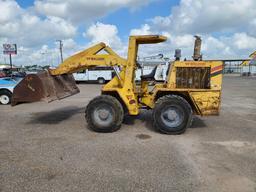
(116, 110)
(172, 101)
(101, 80)
(8, 94)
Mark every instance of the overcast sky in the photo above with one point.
(227, 27)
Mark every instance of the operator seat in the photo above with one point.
(150, 76)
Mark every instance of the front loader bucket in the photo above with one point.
(44, 87)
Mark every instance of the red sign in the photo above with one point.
(10, 49)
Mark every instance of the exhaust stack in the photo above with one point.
(197, 49)
(177, 54)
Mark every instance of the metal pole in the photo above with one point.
(61, 49)
(61, 55)
(10, 55)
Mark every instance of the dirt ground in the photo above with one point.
(47, 147)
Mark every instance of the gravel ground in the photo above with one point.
(47, 147)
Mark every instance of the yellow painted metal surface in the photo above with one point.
(127, 92)
(198, 81)
(206, 101)
(124, 84)
(89, 58)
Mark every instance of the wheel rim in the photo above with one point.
(103, 115)
(4, 99)
(172, 116)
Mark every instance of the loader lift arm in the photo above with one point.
(89, 58)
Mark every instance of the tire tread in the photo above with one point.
(116, 104)
(165, 98)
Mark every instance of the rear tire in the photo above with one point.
(104, 114)
(172, 115)
(5, 97)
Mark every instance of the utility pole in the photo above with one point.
(61, 48)
(10, 56)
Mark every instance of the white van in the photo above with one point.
(97, 74)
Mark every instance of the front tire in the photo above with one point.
(5, 97)
(104, 114)
(172, 115)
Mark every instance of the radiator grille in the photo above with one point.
(193, 77)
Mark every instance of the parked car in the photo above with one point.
(7, 85)
(19, 74)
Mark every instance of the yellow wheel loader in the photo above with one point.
(191, 87)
